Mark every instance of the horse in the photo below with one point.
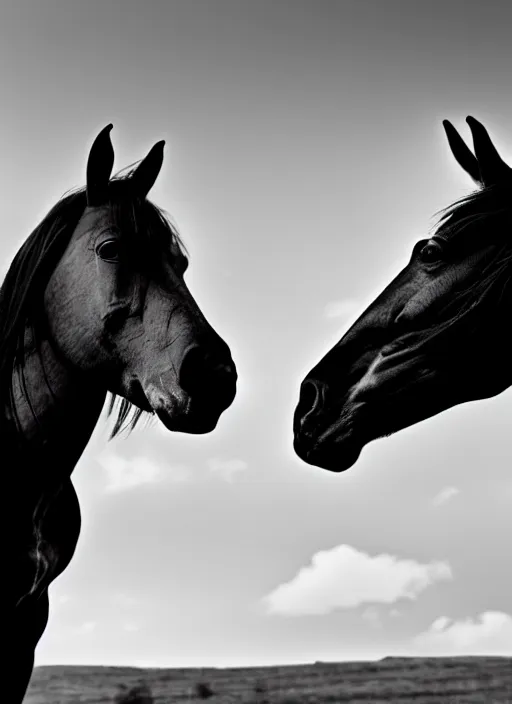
(93, 306)
(434, 338)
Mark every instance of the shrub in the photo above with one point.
(139, 694)
(203, 690)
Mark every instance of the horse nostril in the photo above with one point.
(312, 396)
(201, 370)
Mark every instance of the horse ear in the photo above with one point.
(99, 168)
(145, 175)
(462, 153)
(493, 169)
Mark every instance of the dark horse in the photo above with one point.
(94, 302)
(434, 338)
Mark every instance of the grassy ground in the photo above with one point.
(477, 680)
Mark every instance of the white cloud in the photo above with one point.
(123, 474)
(227, 468)
(62, 599)
(505, 490)
(445, 495)
(86, 627)
(131, 627)
(344, 577)
(489, 634)
(346, 310)
(371, 615)
(123, 600)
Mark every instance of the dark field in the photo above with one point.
(485, 680)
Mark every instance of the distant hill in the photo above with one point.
(458, 680)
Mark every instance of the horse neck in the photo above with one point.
(54, 409)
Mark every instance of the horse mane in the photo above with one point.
(489, 209)
(149, 232)
(485, 203)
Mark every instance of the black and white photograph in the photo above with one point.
(255, 357)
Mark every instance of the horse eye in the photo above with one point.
(108, 250)
(431, 253)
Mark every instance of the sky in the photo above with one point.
(304, 157)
